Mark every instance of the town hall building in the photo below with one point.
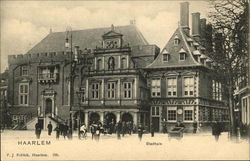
(114, 74)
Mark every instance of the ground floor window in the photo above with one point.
(171, 113)
(188, 113)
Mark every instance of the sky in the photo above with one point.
(25, 23)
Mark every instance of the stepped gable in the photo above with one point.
(184, 46)
(89, 38)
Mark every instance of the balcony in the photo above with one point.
(48, 78)
(112, 72)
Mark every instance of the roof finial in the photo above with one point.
(50, 30)
(112, 27)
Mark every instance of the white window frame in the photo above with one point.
(167, 56)
(24, 68)
(171, 109)
(127, 90)
(23, 94)
(189, 86)
(156, 89)
(176, 41)
(111, 90)
(188, 108)
(95, 92)
(154, 112)
(172, 88)
(185, 56)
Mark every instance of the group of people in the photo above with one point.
(61, 129)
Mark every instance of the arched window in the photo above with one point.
(123, 63)
(111, 63)
(99, 64)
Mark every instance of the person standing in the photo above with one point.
(195, 125)
(38, 130)
(152, 130)
(92, 130)
(140, 131)
(118, 130)
(57, 129)
(50, 127)
(216, 130)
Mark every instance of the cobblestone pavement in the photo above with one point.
(22, 145)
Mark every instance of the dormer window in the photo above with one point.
(166, 57)
(123, 63)
(176, 40)
(182, 54)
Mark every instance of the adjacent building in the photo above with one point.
(184, 86)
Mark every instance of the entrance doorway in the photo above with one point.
(76, 120)
(110, 118)
(48, 106)
(127, 117)
(94, 118)
(156, 123)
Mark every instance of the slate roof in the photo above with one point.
(89, 38)
(175, 50)
(23, 110)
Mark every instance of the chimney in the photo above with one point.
(203, 23)
(196, 26)
(184, 16)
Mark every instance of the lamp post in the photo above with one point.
(71, 81)
(79, 95)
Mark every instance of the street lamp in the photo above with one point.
(68, 44)
(79, 95)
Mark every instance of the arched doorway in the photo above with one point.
(109, 118)
(94, 118)
(48, 106)
(76, 118)
(127, 117)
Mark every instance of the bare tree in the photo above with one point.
(229, 19)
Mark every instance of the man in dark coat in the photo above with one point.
(140, 131)
(216, 130)
(38, 130)
(57, 131)
(50, 127)
(195, 125)
(152, 130)
(92, 130)
(119, 129)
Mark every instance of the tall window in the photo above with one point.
(155, 111)
(214, 89)
(171, 86)
(123, 63)
(95, 90)
(83, 96)
(188, 86)
(23, 93)
(171, 112)
(188, 113)
(111, 90)
(24, 70)
(127, 86)
(156, 88)
(99, 64)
